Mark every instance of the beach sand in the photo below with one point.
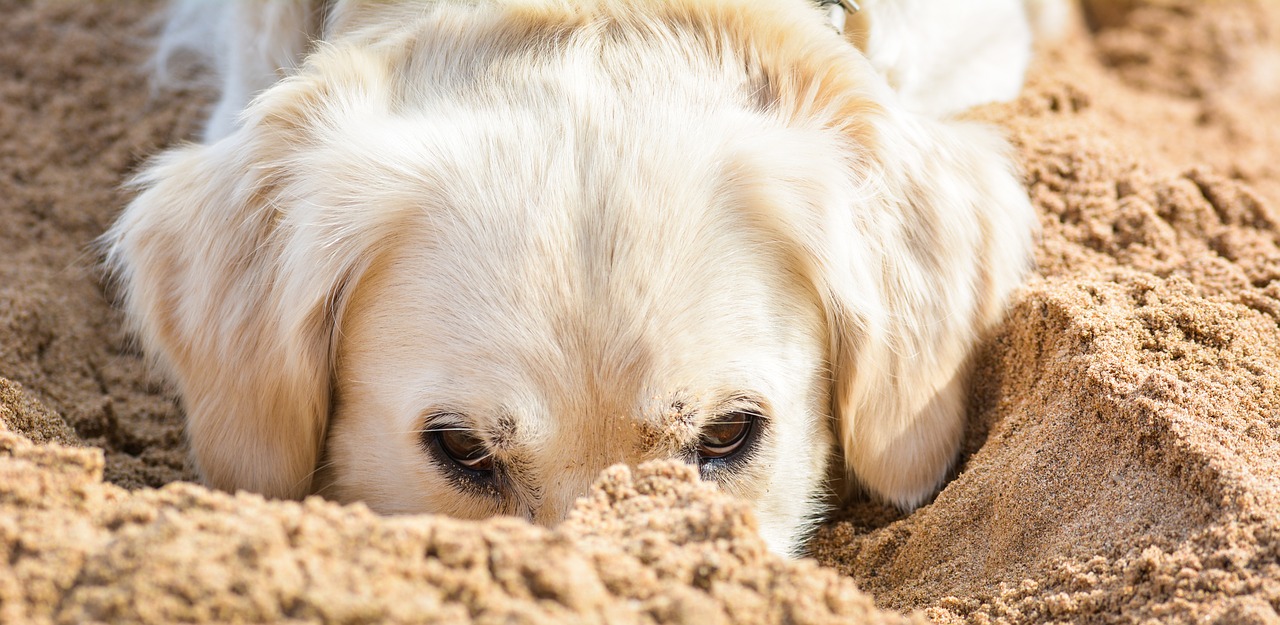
(1121, 463)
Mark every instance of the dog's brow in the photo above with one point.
(681, 411)
(674, 423)
(682, 420)
(505, 432)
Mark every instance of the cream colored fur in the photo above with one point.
(945, 56)
(580, 229)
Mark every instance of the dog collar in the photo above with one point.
(838, 11)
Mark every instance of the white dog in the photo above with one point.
(469, 253)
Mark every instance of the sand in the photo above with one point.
(1122, 461)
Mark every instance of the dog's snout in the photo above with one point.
(559, 495)
(561, 498)
(549, 515)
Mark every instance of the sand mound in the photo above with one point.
(654, 547)
(1122, 461)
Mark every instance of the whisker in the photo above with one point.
(313, 473)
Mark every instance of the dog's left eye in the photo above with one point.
(462, 448)
(726, 436)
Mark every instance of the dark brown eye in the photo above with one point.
(726, 435)
(463, 448)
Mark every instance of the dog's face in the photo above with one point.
(574, 293)
(442, 269)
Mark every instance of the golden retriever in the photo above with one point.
(458, 257)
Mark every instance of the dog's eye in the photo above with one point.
(726, 436)
(463, 448)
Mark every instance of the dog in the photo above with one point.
(459, 257)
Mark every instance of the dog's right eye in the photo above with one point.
(726, 440)
(461, 447)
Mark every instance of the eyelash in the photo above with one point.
(478, 483)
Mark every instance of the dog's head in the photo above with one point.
(462, 270)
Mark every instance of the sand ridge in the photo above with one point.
(653, 546)
(1122, 460)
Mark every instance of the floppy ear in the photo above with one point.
(233, 263)
(952, 229)
(914, 233)
(199, 256)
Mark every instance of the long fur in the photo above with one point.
(580, 229)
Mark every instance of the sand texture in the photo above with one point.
(1122, 461)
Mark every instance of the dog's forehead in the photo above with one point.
(541, 277)
(606, 292)
(570, 261)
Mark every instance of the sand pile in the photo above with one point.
(654, 547)
(1122, 461)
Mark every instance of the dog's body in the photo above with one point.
(471, 253)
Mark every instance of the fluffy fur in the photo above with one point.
(580, 229)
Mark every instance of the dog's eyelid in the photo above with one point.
(439, 419)
(741, 403)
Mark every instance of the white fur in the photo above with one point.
(580, 229)
(944, 56)
(250, 44)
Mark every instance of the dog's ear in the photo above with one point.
(232, 274)
(914, 234)
(952, 231)
(199, 257)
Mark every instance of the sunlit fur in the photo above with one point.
(581, 229)
(944, 56)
